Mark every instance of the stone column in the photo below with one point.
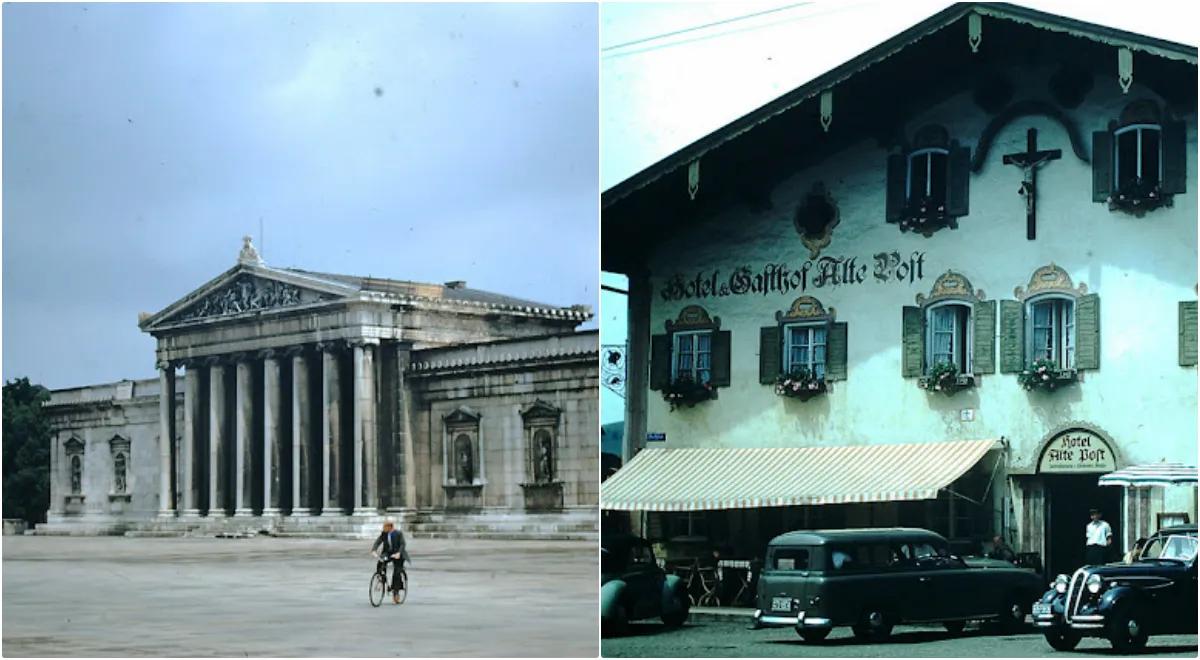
(301, 431)
(406, 459)
(271, 432)
(330, 432)
(188, 459)
(218, 439)
(166, 440)
(366, 502)
(243, 437)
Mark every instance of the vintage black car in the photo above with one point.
(634, 587)
(874, 579)
(1126, 603)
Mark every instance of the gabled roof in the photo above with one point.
(1003, 11)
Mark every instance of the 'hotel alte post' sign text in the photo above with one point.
(779, 278)
(1077, 450)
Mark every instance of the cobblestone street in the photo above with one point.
(734, 639)
(113, 596)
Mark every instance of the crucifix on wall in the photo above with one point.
(1029, 161)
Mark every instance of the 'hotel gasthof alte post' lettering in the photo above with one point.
(1077, 451)
(779, 278)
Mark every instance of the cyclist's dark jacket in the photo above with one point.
(392, 543)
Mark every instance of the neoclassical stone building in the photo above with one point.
(316, 403)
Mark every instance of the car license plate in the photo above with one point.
(781, 604)
(1041, 609)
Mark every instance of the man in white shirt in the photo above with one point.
(1099, 538)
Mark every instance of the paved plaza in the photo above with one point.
(116, 596)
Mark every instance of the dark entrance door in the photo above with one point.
(1069, 497)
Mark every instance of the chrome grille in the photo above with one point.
(1075, 593)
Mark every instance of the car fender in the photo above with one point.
(1120, 596)
(671, 585)
(611, 594)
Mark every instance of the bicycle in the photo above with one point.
(380, 585)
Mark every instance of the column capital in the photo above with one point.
(189, 363)
(295, 351)
(269, 353)
(330, 346)
(165, 365)
(214, 360)
(362, 342)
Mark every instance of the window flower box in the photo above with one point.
(924, 215)
(800, 384)
(686, 391)
(1046, 375)
(1137, 197)
(945, 379)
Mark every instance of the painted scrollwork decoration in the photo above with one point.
(816, 218)
(246, 294)
(613, 367)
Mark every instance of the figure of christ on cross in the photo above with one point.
(1029, 161)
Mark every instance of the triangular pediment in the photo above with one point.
(540, 411)
(462, 415)
(245, 289)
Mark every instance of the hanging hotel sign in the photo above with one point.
(1077, 450)
(780, 278)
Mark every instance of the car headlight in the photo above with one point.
(1061, 582)
(1095, 584)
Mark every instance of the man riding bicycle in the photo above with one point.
(394, 549)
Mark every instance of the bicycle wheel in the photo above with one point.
(378, 590)
(403, 591)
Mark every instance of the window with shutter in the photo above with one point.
(934, 189)
(769, 362)
(806, 339)
(692, 359)
(1140, 163)
(1059, 327)
(913, 342)
(947, 328)
(983, 339)
(1187, 334)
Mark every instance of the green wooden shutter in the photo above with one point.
(1174, 157)
(1187, 334)
(1087, 332)
(770, 354)
(660, 362)
(721, 350)
(913, 344)
(836, 353)
(983, 352)
(958, 182)
(1102, 165)
(897, 186)
(1012, 336)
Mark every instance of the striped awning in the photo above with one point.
(737, 478)
(1151, 474)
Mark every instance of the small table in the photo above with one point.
(745, 573)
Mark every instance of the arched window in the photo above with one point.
(949, 335)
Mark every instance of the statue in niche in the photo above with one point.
(119, 473)
(76, 475)
(543, 446)
(466, 464)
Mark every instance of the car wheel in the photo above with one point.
(814, 635)
(1127, 631)
(679, 611)
(1062, 639)
(1012, 617)
(875, 626)
(618, 623)
(955, 627)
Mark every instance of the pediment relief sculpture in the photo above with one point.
(247, 293)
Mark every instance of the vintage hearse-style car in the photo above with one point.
(1126, 603)
(874, 579)
(634, 587)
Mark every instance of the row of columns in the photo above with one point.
(300, 438)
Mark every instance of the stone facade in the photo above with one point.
(749, 268)
(317, 403)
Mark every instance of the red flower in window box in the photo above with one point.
(686, 391)
(800, 384)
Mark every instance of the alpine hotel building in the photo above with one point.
(948, 285)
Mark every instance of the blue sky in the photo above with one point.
(423, 142)
(660, 95)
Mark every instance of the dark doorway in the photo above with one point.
(1069, 497)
